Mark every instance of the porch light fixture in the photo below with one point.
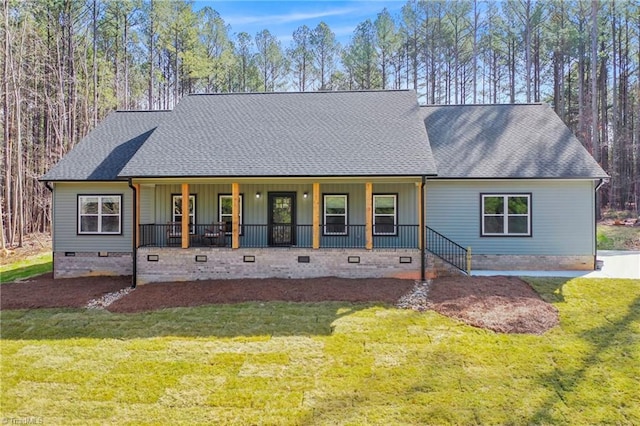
(258, 195)
(305, 195)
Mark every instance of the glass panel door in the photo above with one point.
(282, 218)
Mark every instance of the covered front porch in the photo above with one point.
(214, 228)
(345, 213)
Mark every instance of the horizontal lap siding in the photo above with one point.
(562, 216)
(65, 218)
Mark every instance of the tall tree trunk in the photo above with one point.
(95, 62)
(5, 127)
(593, 77)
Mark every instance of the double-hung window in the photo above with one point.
(506, 215)
(385, 214)
(100, 214)
(225, 211)
(177, 214)
(335, 214)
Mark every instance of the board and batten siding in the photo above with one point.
(65, 218)
(562, 216)
(255, 209)
(147, 204)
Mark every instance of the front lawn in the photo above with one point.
(326, 363)
(25, 268)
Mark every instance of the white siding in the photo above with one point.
(562, 216)
(65, 218)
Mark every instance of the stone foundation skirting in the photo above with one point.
(87, 264)
(171, 264)
(505, 262)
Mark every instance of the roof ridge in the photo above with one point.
(303, 93)
(484, 105)
(143, 110)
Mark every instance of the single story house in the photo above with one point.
(352, 184)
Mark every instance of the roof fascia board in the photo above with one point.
(516, 179)
(84, 180)
(278, 179)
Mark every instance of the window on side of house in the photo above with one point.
(100, 214)
(385, 214)
(335, 214)
(506, 215)
(177, 214)
(225, 214)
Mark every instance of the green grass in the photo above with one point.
(326, 363)
(610, 237)
(32, 266)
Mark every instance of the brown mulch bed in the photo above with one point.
(502, 304)
(45, 292)
(167, 295)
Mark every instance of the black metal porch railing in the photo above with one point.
(260, 236)
(349, 236)
(448, 250)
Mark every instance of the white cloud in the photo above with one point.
(287, 18)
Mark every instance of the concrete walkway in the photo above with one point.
(615, 264)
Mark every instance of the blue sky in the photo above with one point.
(281, 18)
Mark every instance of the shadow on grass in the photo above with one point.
(550, 289)
(230, 320)
(566, 380)
(25, 272)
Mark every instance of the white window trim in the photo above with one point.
(221, 215)
(192, 215)
(99, 214)
(506, 215)
(345, 215)
(394, 215)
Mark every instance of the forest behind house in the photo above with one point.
(66, 64)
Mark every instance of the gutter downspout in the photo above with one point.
(422, 231)
(595, 218)
(47, 185)
(134, 277)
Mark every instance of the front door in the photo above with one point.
(282, 218)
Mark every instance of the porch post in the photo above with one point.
(421, 232)
(420, 197)
(368, 221)
(235, 215)
(316, 215)
(185, 216)
(137, 222)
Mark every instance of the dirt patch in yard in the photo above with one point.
(502, 304)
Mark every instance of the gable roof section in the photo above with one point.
(103, 153)
(289, 134)
(505, 141)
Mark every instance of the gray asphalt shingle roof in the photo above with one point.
(505, 141)
(289, 134)
(103, 153)
(375, 133)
